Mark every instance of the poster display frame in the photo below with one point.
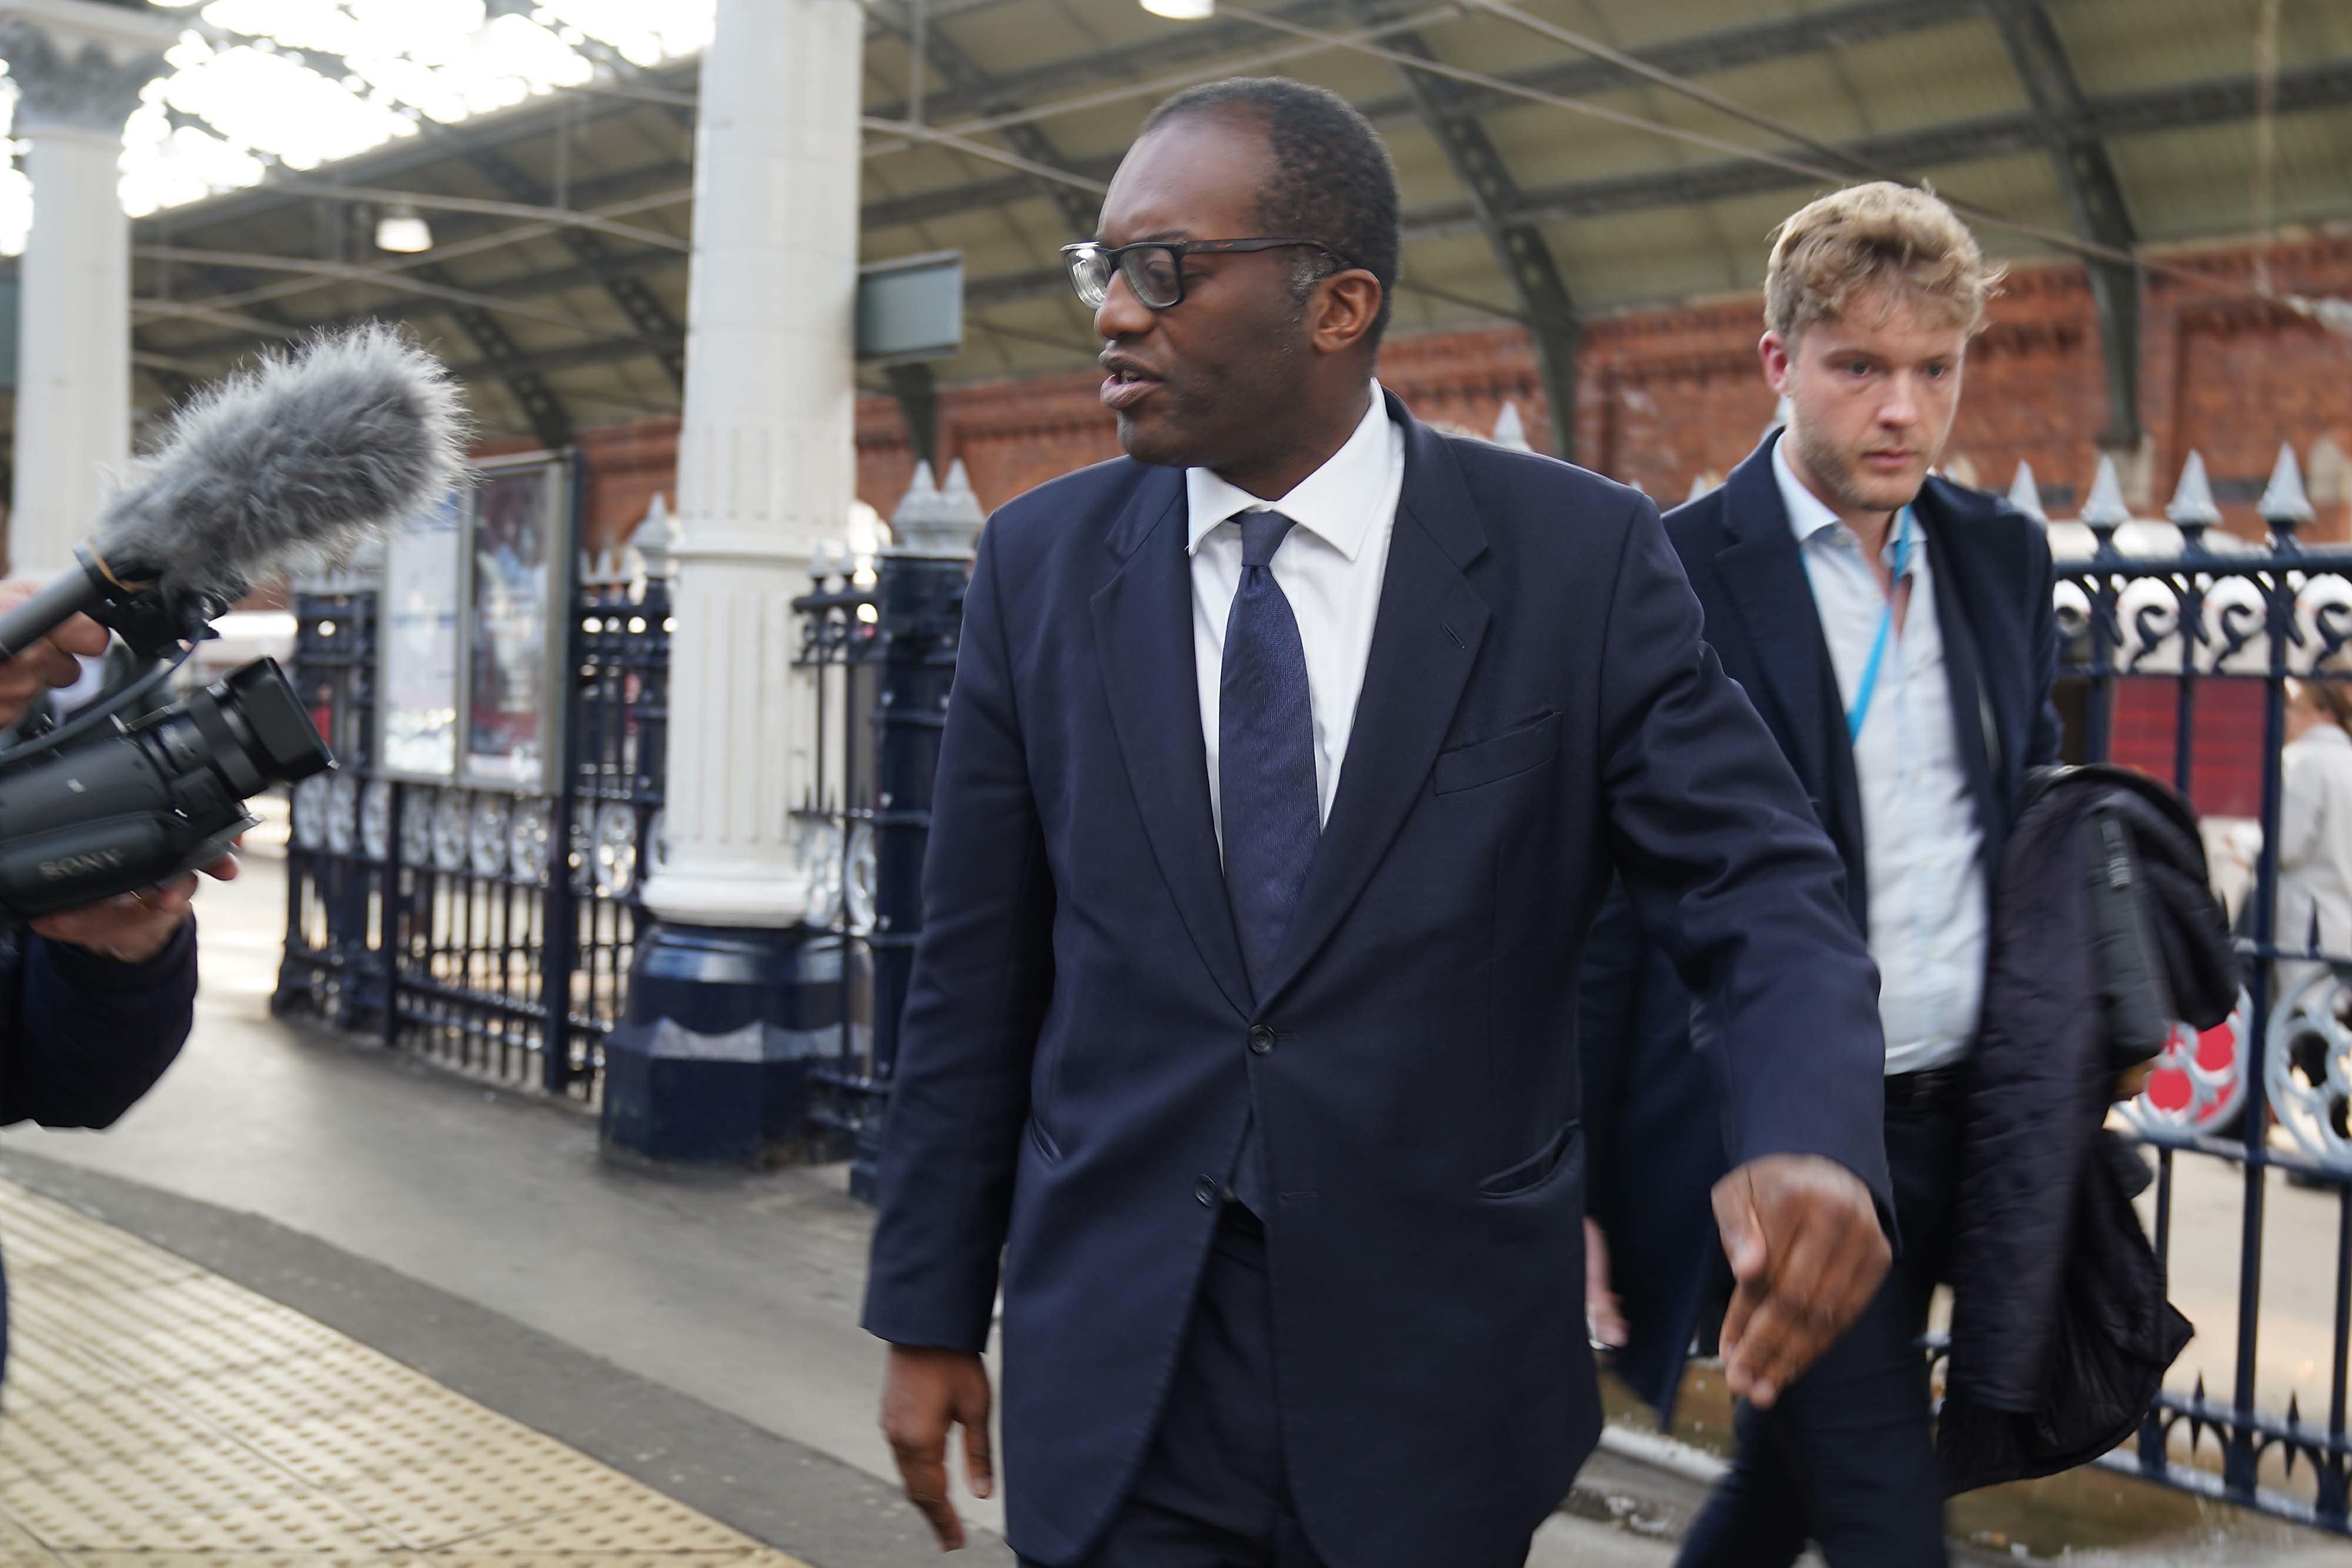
(545, 644)
(391, 649)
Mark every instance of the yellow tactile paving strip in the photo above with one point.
(160, 1415)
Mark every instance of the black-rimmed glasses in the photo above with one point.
(1155, 268)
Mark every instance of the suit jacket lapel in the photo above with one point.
(1972, 707)
(1763, 575)
(1424, 644)
(1143, 636)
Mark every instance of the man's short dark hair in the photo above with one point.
(1333, 181)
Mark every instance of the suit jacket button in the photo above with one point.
(1205, 1191)
(1261, 1041)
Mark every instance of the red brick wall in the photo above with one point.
(1668, 395)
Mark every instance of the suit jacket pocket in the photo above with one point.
(1540, 1169)
(1486, 761)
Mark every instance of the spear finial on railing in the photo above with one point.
(2283, 506)
(920, 501)
(2193, 509)
(1511, 430)
(951, 520)
(653, 538)
(2025, 495)
(2106, 510)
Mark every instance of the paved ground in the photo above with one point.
(694, 1332)
(159, 1412)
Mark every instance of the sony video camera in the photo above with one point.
(136, 789)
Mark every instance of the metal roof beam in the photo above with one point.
(964, 74)
(645, 311)
(1854, 22)
(538, 117)
(1520, 248)
(2181, 105)
(552, 361)
(522, 286)
(504, 358)
(2094, 194)
(2185, 104)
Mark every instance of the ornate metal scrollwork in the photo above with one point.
(2307, 1071)
(2199, 1082)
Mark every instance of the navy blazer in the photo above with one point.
(1077, 1062)
(1663, 1154)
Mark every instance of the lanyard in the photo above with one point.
(1860, 711)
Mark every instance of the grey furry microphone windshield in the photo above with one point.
(291, 464)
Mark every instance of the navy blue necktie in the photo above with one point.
(1266, 796)
(1266, 752)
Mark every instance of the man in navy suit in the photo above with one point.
(1288, 760)
(1897, 633)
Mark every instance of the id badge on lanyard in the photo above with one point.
(1867, 688)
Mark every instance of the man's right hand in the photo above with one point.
(49, 662)
(1805, 1246)
(925, 1392)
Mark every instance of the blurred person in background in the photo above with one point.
(2315, 847)
(95, 1002)
(2315, 873)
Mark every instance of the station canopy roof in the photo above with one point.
(1561, 159)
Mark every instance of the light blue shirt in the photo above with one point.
(1923, 847)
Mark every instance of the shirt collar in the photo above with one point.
(1335, 503)
(1809, 515)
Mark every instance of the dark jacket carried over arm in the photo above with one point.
(2061, 1331)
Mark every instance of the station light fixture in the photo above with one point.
(1181, 10)
(403, 229)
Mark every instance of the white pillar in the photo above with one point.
(78, 67)
(765, 460)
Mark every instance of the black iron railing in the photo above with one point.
(486, 930)
(2203, 644)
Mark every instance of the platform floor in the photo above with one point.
(690, 1336)
(159, 1414)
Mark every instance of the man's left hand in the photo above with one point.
(134, 926)
(1808, 1252)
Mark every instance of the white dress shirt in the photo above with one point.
(1329, 566)
(1923, 848)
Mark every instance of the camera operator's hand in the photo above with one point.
(134, 927)
(47, 663)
